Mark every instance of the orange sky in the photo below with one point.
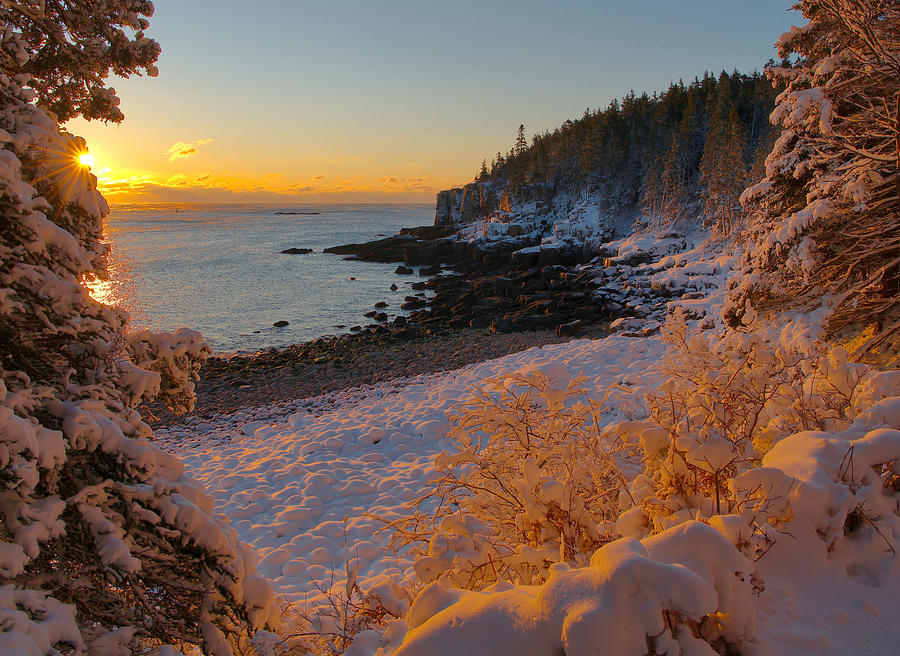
(134, 167)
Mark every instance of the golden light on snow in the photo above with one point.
(101, 290)
(85, 159)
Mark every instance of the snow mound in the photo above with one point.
(662, 593)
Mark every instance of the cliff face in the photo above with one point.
(473, 202)
(569, 214)
(479, 201)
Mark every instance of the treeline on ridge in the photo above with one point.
(687, 152)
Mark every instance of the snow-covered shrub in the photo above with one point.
(106, 546)
(683, 591)
(530, 484)
(349, 621)
(176, 357)
(729, 403)
(751, 445)
(837, 490)
(825, 221)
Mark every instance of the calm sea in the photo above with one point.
(218, 268)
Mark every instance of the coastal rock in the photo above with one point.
(381, 304)
(433, 270)
(569, 329)
(501, 326)
(413, 303)
(280, 324)
(473, 202)
(403, 271)
(394, 287)
(297, 251)
(447, 206)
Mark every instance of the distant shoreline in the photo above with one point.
(319, 204)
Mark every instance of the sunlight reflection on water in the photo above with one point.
(219, 269)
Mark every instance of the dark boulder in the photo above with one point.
(501, 326)
(569, 329)
(413, 303)
(297, 251)
(405, 333)
(280, 324)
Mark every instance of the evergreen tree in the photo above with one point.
(521, 142)
(618, 154)
(664, 195)
(723, 173)
(106, 545)
(826, 219)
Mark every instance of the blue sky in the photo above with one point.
(337, 96)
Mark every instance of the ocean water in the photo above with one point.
(218, 268)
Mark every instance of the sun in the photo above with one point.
(85, 159)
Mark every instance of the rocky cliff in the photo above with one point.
(475, 201)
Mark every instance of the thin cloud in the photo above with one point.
(185, 149)
(207, 187)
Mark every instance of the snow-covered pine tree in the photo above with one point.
(825, 221)
(106, 546)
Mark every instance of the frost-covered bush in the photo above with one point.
(176, 357)
(727, 406)
(837, 490)
(530, 484)
(350, 619)
(825, 221)
(106, 546)
(752, 447)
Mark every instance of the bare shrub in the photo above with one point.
(531, 483)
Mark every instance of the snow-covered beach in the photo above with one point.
(335, 364)
(288, 474)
